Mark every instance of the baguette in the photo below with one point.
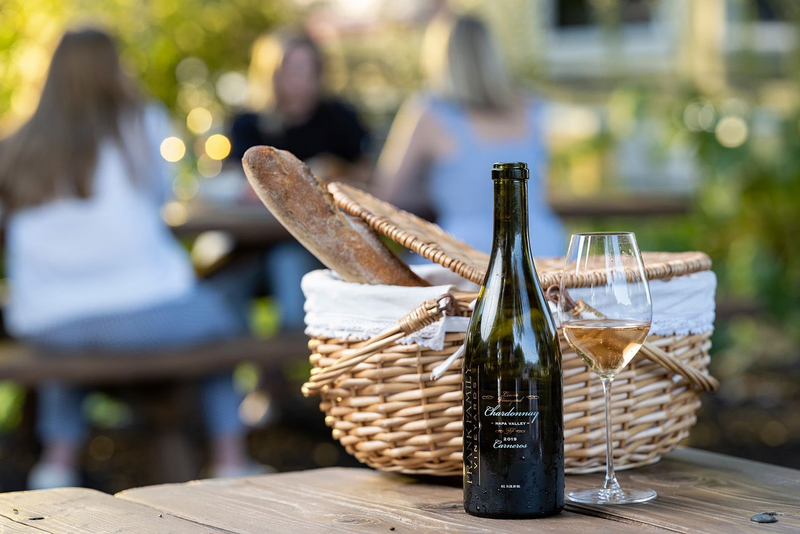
(303, 205)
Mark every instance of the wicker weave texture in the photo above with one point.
(382, 406)
(390, 415)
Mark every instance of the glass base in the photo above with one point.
(612, 496)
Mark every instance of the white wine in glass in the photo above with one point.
(606, 320)
(606, 345)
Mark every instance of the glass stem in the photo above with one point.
(610, 482)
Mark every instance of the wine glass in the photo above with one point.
(606, 320)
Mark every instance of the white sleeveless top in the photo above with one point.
(75, 258)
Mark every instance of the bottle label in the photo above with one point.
(502, 430)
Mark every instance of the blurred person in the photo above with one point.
(291, 112)
(443, 142)
(91, 264)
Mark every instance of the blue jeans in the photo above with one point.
(60, 415)
(286, 264)
(203, 316)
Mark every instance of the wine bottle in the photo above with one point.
(513, 407)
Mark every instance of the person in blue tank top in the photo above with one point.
(444, 141)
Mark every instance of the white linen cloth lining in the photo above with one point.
(337, 309)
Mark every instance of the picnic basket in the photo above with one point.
(386, 410)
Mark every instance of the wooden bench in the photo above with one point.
(698, 492)
(29, 366)
(157, 383)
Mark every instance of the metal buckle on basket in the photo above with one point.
(448, 304)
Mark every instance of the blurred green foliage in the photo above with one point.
(107, 412)
(745, 212)
(748, 215)
(12, 396)
(154, 37)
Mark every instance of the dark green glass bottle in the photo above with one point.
(513, 420)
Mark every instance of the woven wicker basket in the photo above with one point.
(384, 408)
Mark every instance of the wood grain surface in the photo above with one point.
(85, 511)
(339, 500)
(698, 492)
(704, 492)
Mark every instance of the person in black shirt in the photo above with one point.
(332, 129)
(291, 113)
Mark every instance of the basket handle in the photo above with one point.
(697, 378)
(433, 310)
(705, 382)
(426, 314)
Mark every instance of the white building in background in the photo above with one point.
(587, 62)
(662, 44)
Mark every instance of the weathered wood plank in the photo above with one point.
(704, 492)
(698, 492)
(84, 511)
(342, 500)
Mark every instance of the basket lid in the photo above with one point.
(431, 242)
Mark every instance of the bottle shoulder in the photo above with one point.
(513, 337)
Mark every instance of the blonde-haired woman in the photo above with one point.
(92, 266)
(442, 144)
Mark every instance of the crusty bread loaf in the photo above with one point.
(301, 202)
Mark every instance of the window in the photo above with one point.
(577, 13)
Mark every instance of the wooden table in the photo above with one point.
(699, 492)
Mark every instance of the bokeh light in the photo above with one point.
(254, 408)
(774, 434)
(189, 36)
(691, 115)
(232, 89)
(101, 448)
(190, 97)
(173, 149)
(191, 70)
(174, 213)
(185, 187)
(218, 147)
(199, 120)
(706, 117)
(326, 454)
(210, 248)
(32, 62)
(731, 131)
(24, 101)
(208, 166)
(735, 106)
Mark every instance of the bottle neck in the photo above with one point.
(511, 217)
